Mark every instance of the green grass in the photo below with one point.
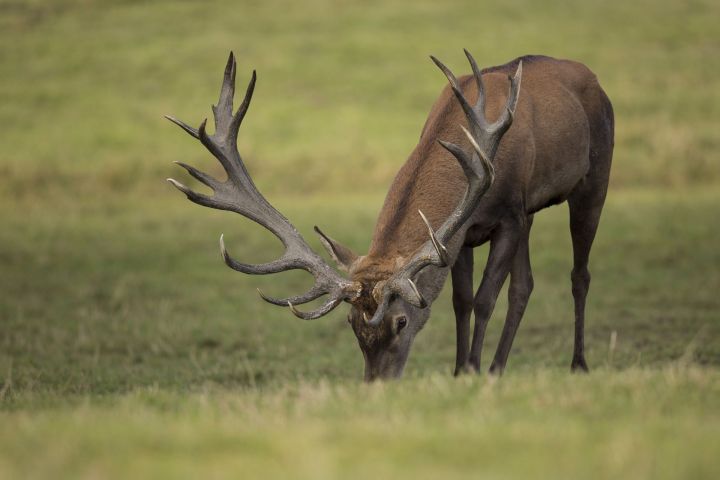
(637, 423)
(128, 350)
(344, 87)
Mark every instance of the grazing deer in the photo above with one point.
(470, 180)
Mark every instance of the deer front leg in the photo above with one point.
(462, 298)
(503, 245)
(521, 286)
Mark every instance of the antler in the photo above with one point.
(239, 194)
(484, 139)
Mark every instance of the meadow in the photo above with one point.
(127, 349)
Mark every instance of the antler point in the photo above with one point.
(437, 244)
(262, 295)
(175, 183)
(223, 251)
(421, 300)
(294, 310)
(473, 142)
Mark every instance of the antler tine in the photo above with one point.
(243, 108)
(223, 110)
(439, 247)
(397, 286)
(200, 176)
(190, 131)
(467, 108)
(448, 73)
(480, 104)
(506, 117)
(324, 309)
(194, 197)
(315, 292)
(280, 265)
(488, 169)
(416, 298)
(380, 310)
(239, 194)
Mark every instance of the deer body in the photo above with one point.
(539, 161)
(559, 148)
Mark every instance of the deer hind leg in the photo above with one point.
(521, 286)
(503, 246)
(586, 204)
(462, 298)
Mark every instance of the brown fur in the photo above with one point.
(532, 172)
(559, 146)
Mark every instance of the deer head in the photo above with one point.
(389, 298)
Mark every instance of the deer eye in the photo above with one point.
(401, 323)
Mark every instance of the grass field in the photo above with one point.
(128, 350)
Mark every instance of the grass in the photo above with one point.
(128, 350)
(637, 423)
(94, 78)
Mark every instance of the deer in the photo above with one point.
(489, 157)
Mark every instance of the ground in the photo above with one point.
(127, 349)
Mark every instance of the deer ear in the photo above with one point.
(343, 256)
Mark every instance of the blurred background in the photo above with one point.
(344, 87)
(111, 282)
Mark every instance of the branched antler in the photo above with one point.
(477, 165)
(239, 194)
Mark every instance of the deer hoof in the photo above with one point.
(579, 365)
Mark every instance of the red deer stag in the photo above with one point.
(470, 180)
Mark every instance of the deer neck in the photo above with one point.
(431, 181)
